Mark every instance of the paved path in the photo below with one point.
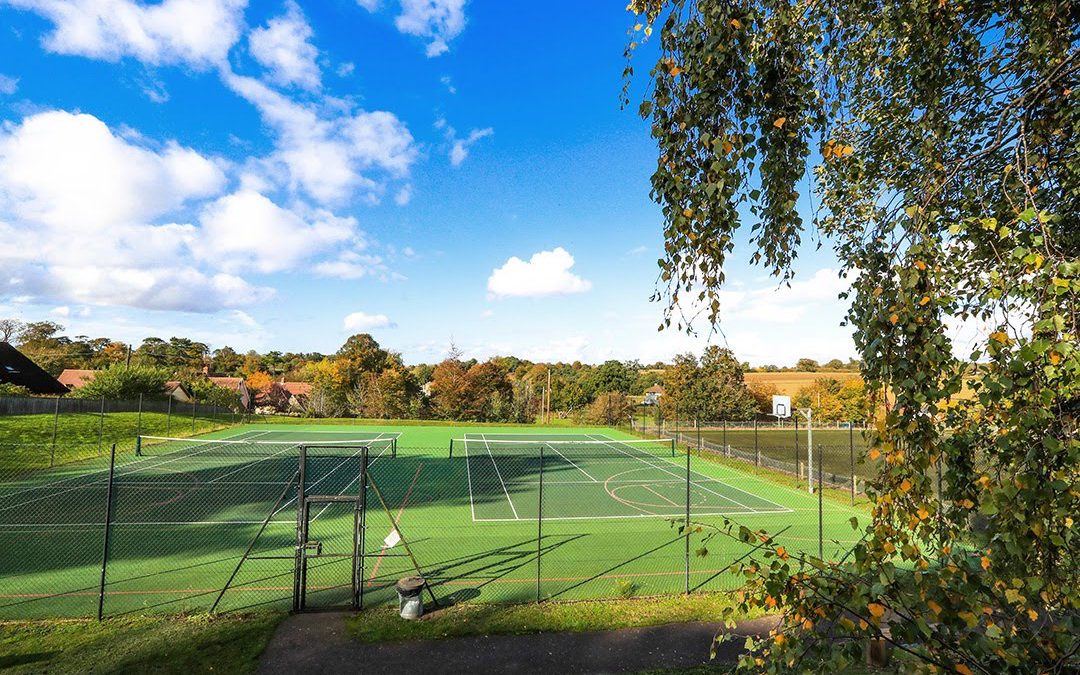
(318, 643)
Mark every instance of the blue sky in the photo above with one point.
(278, 175)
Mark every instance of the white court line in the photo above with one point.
(636, 515)
(499, 474)
(342, 490)
(468, 476)
(665, 470)
(571, 463)
(781, 507)
(105, 480)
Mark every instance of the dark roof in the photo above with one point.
(18, 370)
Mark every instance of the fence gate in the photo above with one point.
(331, 522)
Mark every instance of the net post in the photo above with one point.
(138, 420)
(539, 523)
(101, 425)
(687, 523)
(108, 530)
(451, 448)
(138, 446)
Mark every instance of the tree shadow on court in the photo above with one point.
(178, 529)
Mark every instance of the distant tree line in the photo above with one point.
(364, 379)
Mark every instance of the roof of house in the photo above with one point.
(227, 382)
(297, 388)
(73, 378)
(17, 369)
(655, 389)
(173, 385)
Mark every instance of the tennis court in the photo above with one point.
(504, 516)
(590, 476)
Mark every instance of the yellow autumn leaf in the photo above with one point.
(847, 151)
(905, 485)
(985, 563)
(728, 146)
(934, 607)
(1033, 615)
(963, 670)
(924, 300)
(984, 481)
(770, 601)
(689, 213)
(893, 319)
(923, 513)
(736, 24)
(889, 548)
(920, 265)
(877, 611)
(874, 453)
(675, 70)
(780, 640)
(999, 337)
(779, 123)
(782, 553)
(1055, 358)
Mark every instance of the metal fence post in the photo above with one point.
(108, 529)
(697, 427)
(798, 469)
(194, 408)
(757, 451)
(138, 420)
(168, 418)
(820, 507)
(851, 450)
(539, 523)
(101, 424)
(56, 422)
(687, 522)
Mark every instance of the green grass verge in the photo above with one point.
(27, 439)
(160, 644)
(383, 624)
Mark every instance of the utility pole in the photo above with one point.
(547, 417)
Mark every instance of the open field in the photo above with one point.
(183, 514)
(790, 383)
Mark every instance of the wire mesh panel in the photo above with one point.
(52, 525)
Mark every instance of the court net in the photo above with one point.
(151, 446)
(585, 449)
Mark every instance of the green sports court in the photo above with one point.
(487, 514)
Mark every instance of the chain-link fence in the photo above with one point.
(191, 525)
(784, 447)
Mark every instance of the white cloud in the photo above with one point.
(8, 85)
(361, 321)
(438, 21)
(353, 265)
(460, 149)
(404, 195)
(246, 230)
(546, 273)
(69, 170)
(197, 33)
(283, 47)
(448, 83)
(369, 5)
(63, 310)
(638, 250)
(346, 69)
(330, 154)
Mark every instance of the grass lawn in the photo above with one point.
(160, 644)
(26, 440)
(383, 624)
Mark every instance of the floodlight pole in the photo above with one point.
(808, 413)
